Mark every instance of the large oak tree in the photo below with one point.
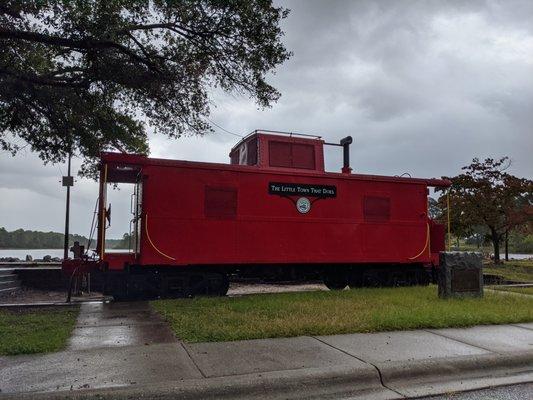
(486, 195)
(88, 75)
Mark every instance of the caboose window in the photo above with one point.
(376, 208)
(252, 152)
(280, 154)
(234, 158)
(220, 202)
(291, 155)
(303, 156)
(245, 154)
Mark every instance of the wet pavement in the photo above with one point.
(128, 345)
(113, 344)
(391, 346)
(97, 368)
(105, 325)
(263, 355)
(498, 339)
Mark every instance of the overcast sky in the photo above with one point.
(422, 86)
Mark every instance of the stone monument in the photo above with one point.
(460, 274)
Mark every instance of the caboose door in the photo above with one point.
(136, 222)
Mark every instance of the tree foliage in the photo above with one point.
(486, 195)
(520, 242)
(23, 239)
(85, 74)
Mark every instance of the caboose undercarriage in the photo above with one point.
(170, 282)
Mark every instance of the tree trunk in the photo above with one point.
(506, 246)
(496, 244)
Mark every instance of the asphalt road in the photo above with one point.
(515, 392)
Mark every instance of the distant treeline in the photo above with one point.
(519, 242)
(22, 239)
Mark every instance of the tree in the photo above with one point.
(434, 209)
(478, 235)
(486, 195)
(125, 243)
(84, 75)
(521, 241)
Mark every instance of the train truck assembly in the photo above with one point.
(273, 211)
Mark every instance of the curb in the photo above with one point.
(437, 376)
(43, 304)
(37, 305)
(292, 384)
(384, 381)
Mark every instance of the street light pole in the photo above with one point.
(68, 181)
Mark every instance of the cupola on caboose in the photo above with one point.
(273, 212)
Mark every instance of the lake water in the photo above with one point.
(40, 253)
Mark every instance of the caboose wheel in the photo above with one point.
(223, 287)
(335, 279)
(355, 279)
(207, 284)
(218, 284)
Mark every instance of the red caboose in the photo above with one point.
(273, 211)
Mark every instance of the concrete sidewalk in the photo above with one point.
(125, 351)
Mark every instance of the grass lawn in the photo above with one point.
(327, 313)
(519, 270)
(35, 330)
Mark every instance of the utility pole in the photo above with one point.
(68, 181)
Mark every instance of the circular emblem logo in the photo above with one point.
(303, 205)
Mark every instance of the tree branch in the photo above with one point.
(9, 11)
(83, 44)
(44, 81)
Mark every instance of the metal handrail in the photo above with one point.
(284, 133)
(269, 131)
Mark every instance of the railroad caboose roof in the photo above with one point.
(265, 151)
(119, 163)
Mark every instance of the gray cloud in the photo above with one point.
(423, 86)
